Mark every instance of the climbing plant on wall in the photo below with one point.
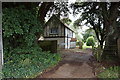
(19, 30)
(23, 58)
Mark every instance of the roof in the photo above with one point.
(60, 22)
(68, 27)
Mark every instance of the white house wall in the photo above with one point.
(73, 44)
(68, 36)
(65, 38)
(73, 35)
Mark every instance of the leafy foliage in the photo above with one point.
(28, 65)
(22, 55)
(90, 41)
(19, 29)
(66, 21)
(110, 73)
(61, 8)
(93, 17)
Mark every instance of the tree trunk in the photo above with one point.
(110, 45)
(44, 8)
(101, 44)
(111, 28)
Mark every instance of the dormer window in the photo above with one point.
(54, 30)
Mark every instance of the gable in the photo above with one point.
(55, 21)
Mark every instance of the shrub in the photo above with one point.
(90, 41)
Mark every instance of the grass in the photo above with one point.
(85, 46)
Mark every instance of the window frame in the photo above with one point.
(52, 30)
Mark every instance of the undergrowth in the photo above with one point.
(112, 72)
(28, 65)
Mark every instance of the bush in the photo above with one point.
(90, 41)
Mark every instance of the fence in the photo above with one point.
(107, 50)
(98, 52)
(49, 45)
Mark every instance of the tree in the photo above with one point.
(103, 18)
(66, 21)
(20, 26)
(110, 17)
(93, 17)
(43, 9)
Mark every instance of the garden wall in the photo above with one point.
(49, 45)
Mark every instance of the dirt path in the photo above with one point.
(75, 64)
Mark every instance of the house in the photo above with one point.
(54, 29)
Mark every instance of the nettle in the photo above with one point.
(19, 30)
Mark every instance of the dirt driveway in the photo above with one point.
(75, 64)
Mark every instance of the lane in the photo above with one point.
(74, 65)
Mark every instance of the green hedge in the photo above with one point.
(90, 41)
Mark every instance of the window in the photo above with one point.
(54, 31)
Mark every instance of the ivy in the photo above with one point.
(19, 29)
(23, 58)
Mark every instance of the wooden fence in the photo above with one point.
(107, 51)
